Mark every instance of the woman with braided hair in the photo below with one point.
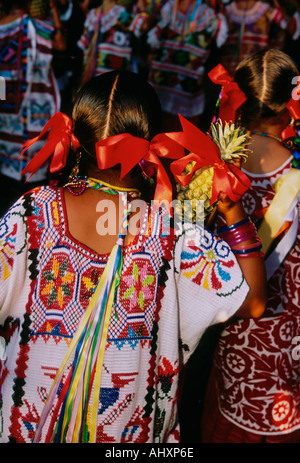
(253, 394)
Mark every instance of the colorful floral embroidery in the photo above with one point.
(58, 279)
(139, 286)
(136, 300)
(208, 266)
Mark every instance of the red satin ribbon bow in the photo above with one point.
(289, 132)
(128, 151)
(293, 107)
(232, 96)
(59, 141)
(227, 177)
(294, 103)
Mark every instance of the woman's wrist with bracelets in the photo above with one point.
(238, 235)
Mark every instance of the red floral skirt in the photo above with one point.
(218, 429)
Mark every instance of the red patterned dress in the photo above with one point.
(254, 389)
(171, 290)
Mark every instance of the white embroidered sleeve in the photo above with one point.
(210, 283)
(13, 256)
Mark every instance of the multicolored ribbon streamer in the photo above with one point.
(204, 152)
(231, 97)
(75, 415)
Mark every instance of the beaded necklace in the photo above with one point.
(268, 135)
(90, 182)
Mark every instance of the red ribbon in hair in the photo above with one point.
(128, 151)
(293, 107)
(59, 141)
(232, 96)
(294, 103)
(227, 177)
(289, 132)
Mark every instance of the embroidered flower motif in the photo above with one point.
(249, 203)
(282, 409)
(120, 38)
(236, 362)
(284, 331)
(135, 302)
(139, 286)
(202, 267)
(58, 282)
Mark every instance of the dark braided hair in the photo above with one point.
(266, 79)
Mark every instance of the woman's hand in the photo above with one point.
(231, 211)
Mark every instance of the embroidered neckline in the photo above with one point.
(248, 16)
(108, 19)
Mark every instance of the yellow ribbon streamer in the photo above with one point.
(85, 319)
(96, 392)
(286, 188)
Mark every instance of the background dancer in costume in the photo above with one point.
(32, 96)
(254, 390)
(109, 317)
(107, 39)
(250, 26)
(180, 46)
